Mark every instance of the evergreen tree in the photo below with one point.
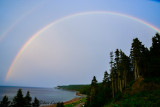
(112, 74)
(155, 48)
(126, 74)
(154, 65)
(94, 89)
(106, 78)
(60, 104)
(138, 57)
(5, 102)
(118, 73)
(117, 58)
(105, 93)
(124, 69)
(18, 100)
(36, 103)
(28, 100)
(92, 97)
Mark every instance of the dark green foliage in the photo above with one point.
(106, 78)
(104, 95)
(92, 97)
(138, 56)
(121, 71)
(141, 99)
(18, 100)
(124, 77)
(5, 102)
(117, 58)
(100, 94)
(60, 104)
(36, 103)
(152, 80)
(28, 100)
(93, 90)
(118, 96)
(155, 48)
(136, 49)
(83, 89)
(154, 59)
(129, 85)
(146, 62)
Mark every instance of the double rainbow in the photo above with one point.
(33, 37)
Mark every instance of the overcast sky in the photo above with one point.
(76, 45)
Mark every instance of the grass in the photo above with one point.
(75, 103)
(141, 99)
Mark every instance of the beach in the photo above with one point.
(72, 101)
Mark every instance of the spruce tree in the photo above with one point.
(36, 103)
(155, 48)
(105, 92)
(28, 99)
(154, 65)
(60, 104)
(112, 74)
(18, 100)
(94, 88)
(137, 56)
(5, 102)
(92, 97)
(106, 78)
(117, 71)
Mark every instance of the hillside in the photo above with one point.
(134, 80)
(143, 93)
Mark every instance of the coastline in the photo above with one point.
(69, 101)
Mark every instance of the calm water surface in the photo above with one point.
(45, 95)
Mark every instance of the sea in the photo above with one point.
(46, 96)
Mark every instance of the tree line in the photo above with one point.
(142, 62)
(20, 101)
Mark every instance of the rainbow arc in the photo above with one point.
(33, 37)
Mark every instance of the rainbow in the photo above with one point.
(19, 20)
(33, 37)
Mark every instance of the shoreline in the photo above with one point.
(69, 101)
(66, 102)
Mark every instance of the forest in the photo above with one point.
(134, 80)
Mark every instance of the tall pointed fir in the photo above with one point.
(92, 98)
(105, 79)
(94, 89)
(154, 67)
(36, 103)
(28, 100)
(18, 100)
(5, 102)
(112, 73)
(138, 52)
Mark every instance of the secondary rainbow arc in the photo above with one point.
(33, 37)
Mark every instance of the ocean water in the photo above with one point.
(45, 95)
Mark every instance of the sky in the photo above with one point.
(45, 43)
